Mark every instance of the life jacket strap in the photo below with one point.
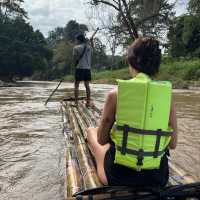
(157, 146)
(125, 139)
(140, 153)
(142, 131)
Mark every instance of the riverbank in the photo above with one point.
(184, 73)
(109, 77)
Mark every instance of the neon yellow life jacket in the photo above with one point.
(141, 133)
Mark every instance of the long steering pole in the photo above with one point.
(53, 92)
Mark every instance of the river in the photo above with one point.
(32, 143)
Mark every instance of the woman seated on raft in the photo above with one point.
(138, 124)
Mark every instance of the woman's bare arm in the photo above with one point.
(173, 125)
(108, 118)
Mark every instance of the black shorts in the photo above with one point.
(83, 75)
(121, 175)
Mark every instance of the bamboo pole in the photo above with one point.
(81, 121)
(53, 92)
(73, 176)
(90, 115)
(87, 168)
(83, 116)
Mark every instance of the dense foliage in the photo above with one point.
(184, 36)
(194, 7)
(184, 33)
(23, 51)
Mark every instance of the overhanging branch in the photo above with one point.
(107, 3)
(134, 28)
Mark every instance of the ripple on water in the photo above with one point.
(31, 153)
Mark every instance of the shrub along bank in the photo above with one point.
(181, 72)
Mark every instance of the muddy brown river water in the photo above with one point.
(32, 143)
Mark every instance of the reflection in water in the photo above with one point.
(32, 145)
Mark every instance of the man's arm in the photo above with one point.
(92, 38)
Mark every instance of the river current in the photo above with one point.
(32, 142)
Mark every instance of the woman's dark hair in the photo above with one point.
(144, 55)
(81, 37)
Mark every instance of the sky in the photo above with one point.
(46, 15)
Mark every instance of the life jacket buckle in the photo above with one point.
(140, 157)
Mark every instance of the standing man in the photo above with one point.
(82, 55)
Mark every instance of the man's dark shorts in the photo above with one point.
(83, 75)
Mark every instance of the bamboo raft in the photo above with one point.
(81, 177)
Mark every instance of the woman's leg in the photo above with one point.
(99, 152)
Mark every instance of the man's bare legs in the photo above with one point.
(87, 87)
(76, 91)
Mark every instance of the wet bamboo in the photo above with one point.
(97, 109)
(73, 176)
(82, 122)
(73, 183)
(86, 164)
(90, 115)
(83, 125)
(75, 129)
(82, 114)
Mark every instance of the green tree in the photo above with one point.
(62, 59)
(22, 50)
(194, 7)
(55, 36)
(184, 36)
(72, 29)
(11, 8)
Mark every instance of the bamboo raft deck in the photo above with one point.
(81, 177)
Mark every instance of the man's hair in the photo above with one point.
(81, 37)
(144, 55)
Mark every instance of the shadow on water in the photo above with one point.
(32, 144)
